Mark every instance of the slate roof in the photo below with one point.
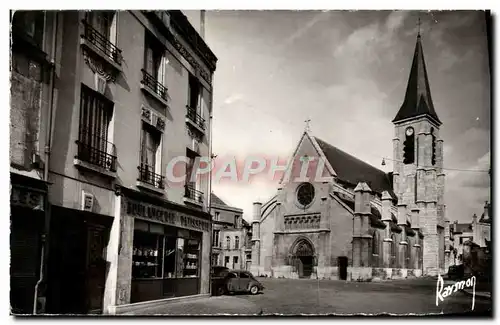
(351, 170)
(216, 200)
(418, 100)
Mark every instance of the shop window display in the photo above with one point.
(147, 253)
(180, 254)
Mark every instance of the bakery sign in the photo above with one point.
(25, 197)
(162, 215)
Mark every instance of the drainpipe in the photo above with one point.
(210, 189)
(48, 137)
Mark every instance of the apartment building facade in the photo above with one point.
(231, 238)
(132, 94)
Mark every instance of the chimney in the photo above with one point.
(474, 218)
(486, 215)
(202, 24)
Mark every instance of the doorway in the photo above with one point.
(77, 266)
(303, 255)
(307, 266)
(342, 264)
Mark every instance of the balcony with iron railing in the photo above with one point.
(154, 87)
(149, 179)
(95, 153)
(192, 195)
(194, 119)
(101, 45)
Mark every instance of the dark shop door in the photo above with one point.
(77, 268)
(25, 248)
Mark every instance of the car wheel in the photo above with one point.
(254, 290)
(221, 291)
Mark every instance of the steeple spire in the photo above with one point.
(418, 100)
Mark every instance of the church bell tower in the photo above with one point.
(418, 161)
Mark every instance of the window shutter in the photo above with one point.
(149, 59)
(112, 27)
(161, 70)
(201, 103)
(150, 149)
(143, 146)
(158, 144)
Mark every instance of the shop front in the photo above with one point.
(28, 204)
(169, 249)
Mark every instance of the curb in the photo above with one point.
(177, 309)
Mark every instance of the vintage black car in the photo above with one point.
(456, 272)
(242, 281)
(218, 280)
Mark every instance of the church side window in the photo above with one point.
(393, 249)
(375, 246)
(433, 158)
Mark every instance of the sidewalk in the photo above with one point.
(222, 305)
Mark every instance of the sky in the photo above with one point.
(347, 72)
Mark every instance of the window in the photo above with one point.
(94, 147)
(194, 108)
(226, 261)
(215, 259)
(170, 257)
(228, 242)
(30, 23)
(146, 258)
(153, 58)
(305, 194)
(216, 234)
(27, 28)
(408, 256)
(237, 242)
(192, 185)
(375, 247)
(409, 146)
(162, 252)
(194, 92)
(236, 221)
(394, 250)
(235, 262)
(150, 168)
(100, 31)
(217, 215)
(102, 22)
(244, 275)
(154, 72)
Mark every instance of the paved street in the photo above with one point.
(292, 297)
(417, 296)
(222, 305)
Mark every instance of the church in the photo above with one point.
(362, 223)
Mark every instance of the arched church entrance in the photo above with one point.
(303, 258)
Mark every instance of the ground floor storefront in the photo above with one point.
(157, 250)
(77, 261)
(27, 215)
